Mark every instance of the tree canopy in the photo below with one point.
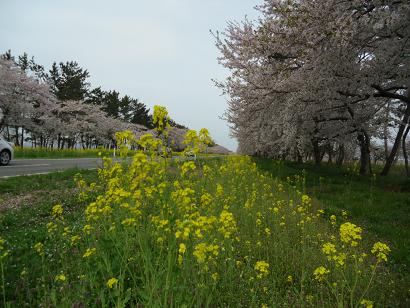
(312, 77)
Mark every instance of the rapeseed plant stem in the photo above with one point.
(2, 282)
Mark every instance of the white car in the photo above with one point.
(6, 152)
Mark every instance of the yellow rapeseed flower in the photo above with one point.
(111, 282)
(328, 249)
(320, 273)
(187, 167)
(51, 227)
(340, 259)
(129, 222)
(2, 243)
(75, 239)
(367, 303)
(182, 248)
(227, 224)
(333, 219)
(89, 252)
(57, 210)
(381, 251)
(60, 277)
(39, 248)
(350, 233)
(262, 269)
(87, 229)
(306, 200)
(205, 252)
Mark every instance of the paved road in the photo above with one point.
(41, 166)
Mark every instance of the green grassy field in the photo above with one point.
(56, 153)
(380, 204)
(220, 232)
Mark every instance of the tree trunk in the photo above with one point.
(329, 149)
(316, 151)
(22, 137)
(386, 132)
(406, 160)
(299, 156)
(8, 132)
(364, 143)
(392, 156)
(341, 155)
(16, 135)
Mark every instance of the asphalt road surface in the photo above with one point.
(41, 166)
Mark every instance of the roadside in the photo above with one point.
(19, 167)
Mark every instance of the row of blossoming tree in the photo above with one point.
(310, 78)
(57, 109)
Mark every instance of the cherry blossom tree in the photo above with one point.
(309, 76)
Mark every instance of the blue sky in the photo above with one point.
(158, 51)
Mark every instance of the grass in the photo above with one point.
(23, 220)
(52, 181)
(218, 232)
(38, 152)
(21, 153)
(380, 204)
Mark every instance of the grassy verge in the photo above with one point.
(217, 232)
(21, 153)
(25, 205)
(45, 182)
(55, 153)
(380, 204)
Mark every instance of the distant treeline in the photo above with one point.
(59, 108)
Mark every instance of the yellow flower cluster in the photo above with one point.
(227, 224)
(60, 277)
(262, 269)
(366, 303)
(3, 251)
(111, 282)
(187, 167)
(57, 210)
(204, 252)
(39, 248)
(320, 273)
(181, 252)
(350, 233)
(381, 251)
(329, 249)
(89, 252)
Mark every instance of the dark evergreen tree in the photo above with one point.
(112, 103)
(23, 62)
(7, 55)
(125, 108)
(69, 81)
(139, 114)
(38, 70)
(95, 96)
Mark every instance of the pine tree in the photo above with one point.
(69, 81)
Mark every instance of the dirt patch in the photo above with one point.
(14, 202)
(10, 202)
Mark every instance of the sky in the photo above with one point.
(160, 52)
